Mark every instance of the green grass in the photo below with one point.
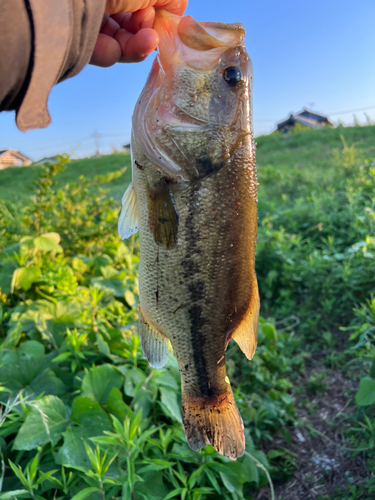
(307, 151)
(15, 182)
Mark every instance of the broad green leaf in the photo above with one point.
(6, 276)
(98, 382)
(102, 345)
(43, 314)
(52, 236)
(90, 414)
(27, 368)
(108, 272)
(134, 378)
(366, 392)
(112, 285)
(85, 493)
(66, 312)
(48, 243)
(170, 401)
(33, 431)
(269, 331)
(32, 349)
(102, 261)
(143, 401)
(129, 297)
(252, 470)
(115, 405)
(13, 336)
(29, 316)
(228, 482)
(166, 379)
(72, 453)
(27, 276)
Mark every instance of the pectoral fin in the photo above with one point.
(246, 332)
(162, 214)
(154, 344)
(128, 221)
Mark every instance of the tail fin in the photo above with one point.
(215, 421)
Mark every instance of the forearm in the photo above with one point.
(41, 43)
(15, 52)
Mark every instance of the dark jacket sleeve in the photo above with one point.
(43, 42)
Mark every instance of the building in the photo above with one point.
(13, 158)
(306, 118)
(47, 159)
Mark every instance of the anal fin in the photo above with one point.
(154, 343)
(246, 333)
(128, 221)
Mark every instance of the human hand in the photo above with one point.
(126, 34)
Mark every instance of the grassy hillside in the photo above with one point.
(304, 157)
(15, 182)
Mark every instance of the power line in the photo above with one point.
(330, 113)
(350, 111)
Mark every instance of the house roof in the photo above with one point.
(305, 117)
(15, 153)
(46, 159)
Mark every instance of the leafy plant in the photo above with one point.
(84, 416)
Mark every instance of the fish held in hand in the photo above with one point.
(193, 199)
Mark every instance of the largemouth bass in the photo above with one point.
(193, 198)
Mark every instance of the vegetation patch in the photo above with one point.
(84, 416)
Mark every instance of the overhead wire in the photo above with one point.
(329, 113)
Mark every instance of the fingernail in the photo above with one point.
(148, 16)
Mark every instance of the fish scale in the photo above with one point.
(194, 195)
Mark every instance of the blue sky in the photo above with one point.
(318, 54)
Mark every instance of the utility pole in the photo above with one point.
(96, 135)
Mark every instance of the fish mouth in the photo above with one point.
(165, 123)
(187, 39)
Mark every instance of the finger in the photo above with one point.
(136, 48)
(110, 27)
(107, 51)
(104, 20)
(138, 20)
(116, 6)
(177, 7)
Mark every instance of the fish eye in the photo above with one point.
(233, 76)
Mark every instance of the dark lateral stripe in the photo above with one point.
(198, 341)
(196, 292)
